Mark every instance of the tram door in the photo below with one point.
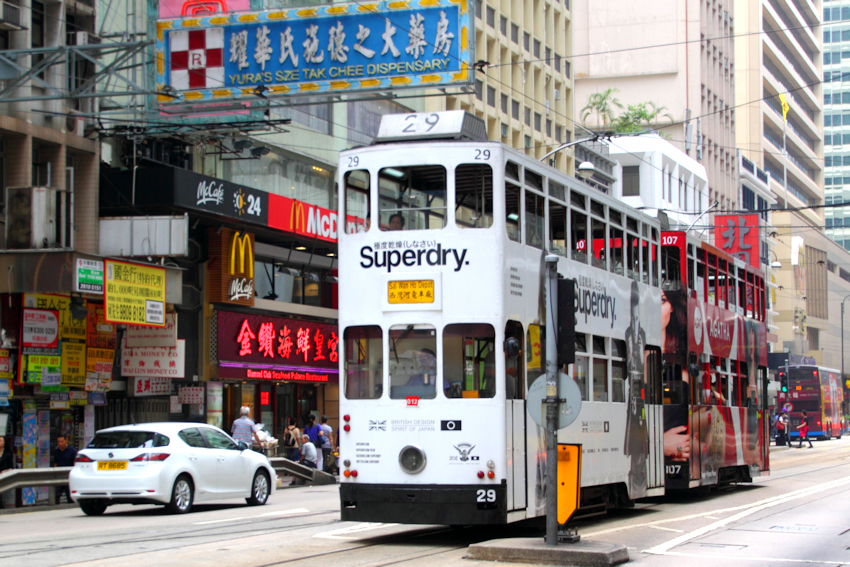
(515, 415)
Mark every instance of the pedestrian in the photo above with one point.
(63, 456)
(784, 428)
(243, 428)
(292, 441)
(780, 428)
(309, 455)
(327, 444)
(804, 430)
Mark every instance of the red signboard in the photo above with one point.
(266, 347)
(738, 235)
(719, 332)
(303, 219)
(40, 331)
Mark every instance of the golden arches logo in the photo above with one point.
(244, 244)
(297, 221)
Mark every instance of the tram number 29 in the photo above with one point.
(486, 498)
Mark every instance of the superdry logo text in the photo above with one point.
(390, 259)
(594, 302)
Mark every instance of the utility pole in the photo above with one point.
(551, 401)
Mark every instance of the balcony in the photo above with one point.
(11, 17)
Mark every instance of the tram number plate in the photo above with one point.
(410, 291)
(486, 499)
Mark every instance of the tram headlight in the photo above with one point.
(412, 459)
(491, 465)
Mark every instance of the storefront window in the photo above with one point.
(363, 362)
(277, 283)
(413, 361)
(469, 361)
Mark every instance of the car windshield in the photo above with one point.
(127, 440)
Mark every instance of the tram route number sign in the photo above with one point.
(410, 291)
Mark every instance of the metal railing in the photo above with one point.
(26, 478)
(300, 472)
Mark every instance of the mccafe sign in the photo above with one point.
(231, 267)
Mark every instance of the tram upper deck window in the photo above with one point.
(362, 349)
(413, 361)
(474, 196)
(356, 201)
(578, 235)
(671, 264)
(580, 367)
(557, 191)
(412, 197)
(557, 227)
(721, 283)
(512, 220)
(633, 257)
(615, 245)
(534, 227)
(599, 251)
(646, 262)
(469, 361)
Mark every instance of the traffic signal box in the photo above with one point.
(569, 480)
(783, 383)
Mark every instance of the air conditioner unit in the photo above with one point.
(38, 217)
(86, 38)
(74, 123)
(557, 94)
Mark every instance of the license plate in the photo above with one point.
(112, 465)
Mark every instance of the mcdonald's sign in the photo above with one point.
(231, 268)
(302, 218)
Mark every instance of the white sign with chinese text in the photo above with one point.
(149, 386)
(140, 336)
(192, 395)
(154, 361)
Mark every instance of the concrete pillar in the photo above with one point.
(86, 202)
(18, 160)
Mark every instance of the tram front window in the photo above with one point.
(412, 197)
(469, 361)
(474, 196)
(413, 362)
(363, 368)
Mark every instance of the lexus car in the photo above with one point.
(175, 464)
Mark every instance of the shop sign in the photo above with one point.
(5, 363)
(294, 375)
(97, 398)
(303, 219)
(40, 331)
(154, 336)
(99, 362)
(154, 361)
(70, 329)
(99, 333)
(231, 269)
(134, 294)
(50, 378)
(191, 395)
(39, 363)
(140, 386)
(73, 364)
(216, 196)
(738, 235)
(4, 393)
(265, 339)
(176, 406)
(88, 276)
(78, 398)
(59, 401)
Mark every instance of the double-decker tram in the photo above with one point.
(818, 391)
(442, 320)
(715, 359)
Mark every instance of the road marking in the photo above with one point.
(362, 527)
(285, 512)
(667, 529)
(221, 521)
(664, 548)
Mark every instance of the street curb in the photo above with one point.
(36, 508)
(535, 550)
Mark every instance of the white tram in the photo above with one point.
(442, 325)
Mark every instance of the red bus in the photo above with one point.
(714, 354)
(818, 391)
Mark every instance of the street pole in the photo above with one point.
(551, 401)
(785, 162)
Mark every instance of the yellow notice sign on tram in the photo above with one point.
(134, 294)
(411, 291)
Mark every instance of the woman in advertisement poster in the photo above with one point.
(752, 355)
(637, 440)
(674, 345)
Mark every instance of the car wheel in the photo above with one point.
(93, 507)
(182, 495)
(259, 489)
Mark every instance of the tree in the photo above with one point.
(638, 116)
(603, 105)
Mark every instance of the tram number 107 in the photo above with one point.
(673, 470)
(486, 498)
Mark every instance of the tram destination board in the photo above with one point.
(410, 291)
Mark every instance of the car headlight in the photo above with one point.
(412, 459)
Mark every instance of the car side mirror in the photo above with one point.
(242, 445)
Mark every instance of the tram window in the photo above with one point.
(578, 235)
(653, 270)
(557, 228)
(577, 200)
(615, 217)
(512, 171)
(557, 191)
(599, 251)
(534, 227)
(413, 362)
(412, 197)
(652, 375)
(631, 224)
(615, 246)
(742, 289)
(533, 180)
(743, 384)
(600, 379)
(580, 375)
(597, 208)
(469, 369)
(363, 352)
(356, 201)
(633, 258)
(645, 263)
(671, 264)
(712, 286)
(700, 281)
(721, 282)
(474, 196)
(618, 370)
(512, 222)
(515, 366)
(691, 285)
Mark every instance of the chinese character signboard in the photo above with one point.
(88, 276)
(738, 235)
(273, 348)
(134, 294)
(99, 333)
(231, 272)
(141, 386)
(40, 331)
(154, 336)
(70, 328)
(290, 215)
(154, 361)
(332, 48)
(191, 395)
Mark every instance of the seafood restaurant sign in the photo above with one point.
(331, 48)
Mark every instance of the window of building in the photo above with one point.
(537, 119)
(514, 33)
(491, 96)
(479, 90)
(491, 17)
(503, 25)
(537, 49)
(526, 41)
(504, 103)
(631, 181)
(527, 117)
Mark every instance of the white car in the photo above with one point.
(176, 464)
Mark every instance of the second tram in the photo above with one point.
(818, 391)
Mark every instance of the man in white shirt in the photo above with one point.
(309, 455)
